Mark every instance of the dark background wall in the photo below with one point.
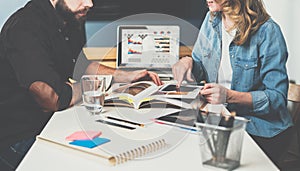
(106, 15)
(108, 10)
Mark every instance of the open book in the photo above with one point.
(146, 94)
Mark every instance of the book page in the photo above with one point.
(163, 102)
(132, 89)
(183, 92)
(132, 94)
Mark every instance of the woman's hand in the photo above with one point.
(183, 68)
(214, 93)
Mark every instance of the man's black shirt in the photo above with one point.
(35, 45)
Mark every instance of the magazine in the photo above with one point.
(147, 94)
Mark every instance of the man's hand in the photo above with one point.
(214, 93)
(120, 76)
(138, 75)
(145, 75)
(183, 68)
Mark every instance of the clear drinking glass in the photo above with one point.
(93, 92)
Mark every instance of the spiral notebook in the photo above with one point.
(114, 152)
(122, 157)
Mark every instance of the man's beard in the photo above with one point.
(69, 16)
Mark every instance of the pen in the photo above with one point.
(181, 127)
(115, 124)
(188, 129)
(126, 121)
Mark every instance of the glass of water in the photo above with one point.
(93, 93)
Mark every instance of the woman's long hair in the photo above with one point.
(248, 16)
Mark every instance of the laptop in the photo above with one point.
(151, 47)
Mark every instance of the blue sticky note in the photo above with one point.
(90, 143)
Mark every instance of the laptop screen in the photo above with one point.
(148, 46)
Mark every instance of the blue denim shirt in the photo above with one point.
(259, 67)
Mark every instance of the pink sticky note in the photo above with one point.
(83, 135)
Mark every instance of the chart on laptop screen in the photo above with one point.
(148, 46)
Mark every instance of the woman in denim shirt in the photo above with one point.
(242, 54)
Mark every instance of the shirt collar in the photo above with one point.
(216, 19)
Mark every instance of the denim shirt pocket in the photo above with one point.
(246, 73)
(206, 53)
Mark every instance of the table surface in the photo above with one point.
(185, 155)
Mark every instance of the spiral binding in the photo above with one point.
(137, 152)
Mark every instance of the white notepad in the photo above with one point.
(113, 153)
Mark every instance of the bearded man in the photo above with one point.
(39, 47)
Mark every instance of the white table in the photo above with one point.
(48, 156)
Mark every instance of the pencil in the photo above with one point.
(115, 124)
(126, 121)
